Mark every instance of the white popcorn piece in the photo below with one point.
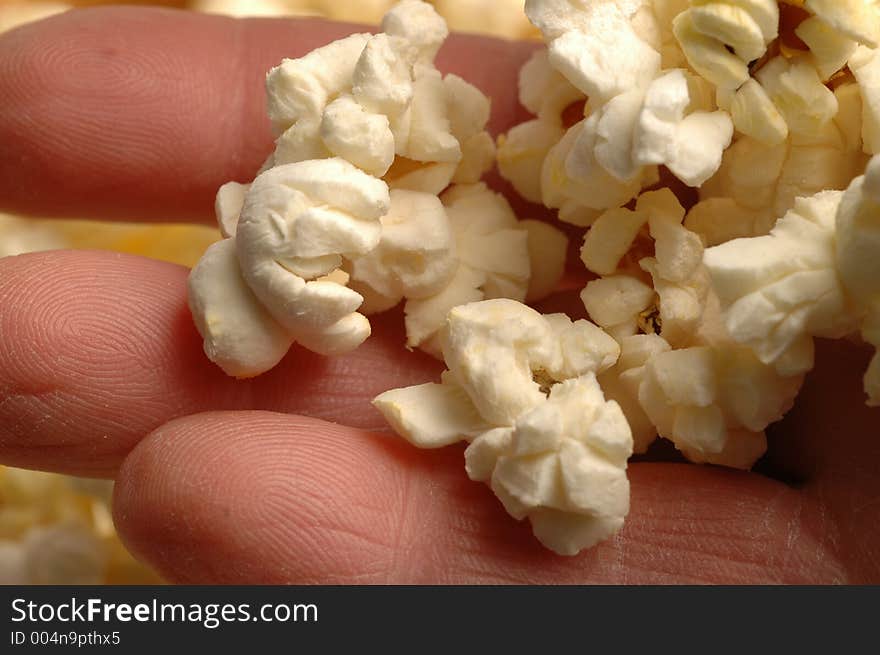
(297, 223)
(571, 178)
(548, 247)
(758, 182)
(857, 19)
(240, 335)
(358, 136)
(521, 155)
(607, 157)
(562, 466)
(543, 90)
(492, 252)
(796, 89)
(418, 23)
(720, 38)
(521, 388)
(780, 290)
(718, 220)
(429, 137)
(865, 66)
(299, 89)
(621, 383)
(755, 115)
(689, 145)
(524, 345)
(610, 238)
(857, 245)
(595, 46)
(617, 302)
(829, 49)
(653, 22)
(410, 175)
(606, 61)
(620, 302)
(368, 98)
(227, 206)
(469, 112)
(432, 415)
(494, 349)
(714, 403)
(415, 257)
(679, 278)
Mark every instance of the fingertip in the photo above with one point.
(258, 497)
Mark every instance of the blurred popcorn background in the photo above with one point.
(57, 529)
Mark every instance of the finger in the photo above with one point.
(828, 445)
(98, 349)
(267, 498)
(142, 113)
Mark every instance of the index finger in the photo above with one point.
(141, 114)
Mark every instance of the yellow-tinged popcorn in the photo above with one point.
(720, 38)
(522, 389)
(491, 260)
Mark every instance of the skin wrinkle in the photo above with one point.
(133, 356)
(307, 446)
(133, 82)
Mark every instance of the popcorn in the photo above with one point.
(754, 114)
(548, 247)
(704, 313)
(714, 403)
(492, 256)
(622, 382)
(297, 222)
(521, 155)
(858, 240)
(543, 90)
(690, 146)
(415, 257)
(795, 88)
(521, 388)
(617, 302)
(757, 182)
(708, 31)
(865, 67)
(610, 238)
(830, 50)
(679, 279)
(595, 46)
(370, 98)
(780, 290)
(572, 180)
(857, 19)
(359, 109)
(522, 151)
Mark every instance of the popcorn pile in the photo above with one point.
(372, 196)
(715, 149)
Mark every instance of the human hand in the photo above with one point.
(136, 113)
